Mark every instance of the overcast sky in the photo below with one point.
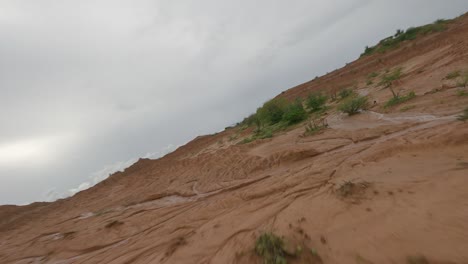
(87, 87)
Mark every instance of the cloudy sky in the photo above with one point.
(87, 87)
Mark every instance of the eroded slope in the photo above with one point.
(380, 187)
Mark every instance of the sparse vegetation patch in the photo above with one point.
(354, 105)
(400, 36)
(315, 125)
(372, 75)
(461, 77)
(345, 93)
(275, 115)
(399, 99)
(352, 190)
(463, 82)
(370, 78)
(452, 75)
(389, 77)
(247, 140)
(263, 133)
(347, 188)
(249, 121)
(272, 111)
(294, 113)
(271, 248)
(406, 108)
(461, 93)
(316, 101)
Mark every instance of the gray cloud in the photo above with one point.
(89, 83)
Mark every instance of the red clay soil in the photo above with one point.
(388, 185)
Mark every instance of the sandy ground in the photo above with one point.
(405, 169)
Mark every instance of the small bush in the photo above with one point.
(345, 93)
(271, 248)
(353, 105)
(251, 120)
(264, 133)
(399, 32)
(462, 93)
(346, 188)
(314, 126)
(394, 41)
(464, 116)
(406, 108)
(370, 78)
(259, 134)
(399, 99)
(452, 75)
(272, 111)
(247, 140)
(268, 119)
(316, 101)
(389, 77)
(372, 75)
(294, 113)
(368, 51)
(349, 188)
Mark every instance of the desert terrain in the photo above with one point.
(386, 185)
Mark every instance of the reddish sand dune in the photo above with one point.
(406, 170)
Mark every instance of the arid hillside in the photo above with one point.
(385, 185)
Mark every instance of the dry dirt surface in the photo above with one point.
(389, 185)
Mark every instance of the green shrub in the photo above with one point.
(370, 78)
(249, 121)
(399, 32)
(273, 116)
(353, 105)
(406, 108)
(247, 140)
(316, 101)
(368, 51)
(344, 93)
(264, 133)
(389, 77)
(461, 93)
(452, 75)
(372, 75)
(394, 41)
(314, 126)
(271, 248)
(399, 99)
(347, 188)
(272, 111)
(294, 113)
